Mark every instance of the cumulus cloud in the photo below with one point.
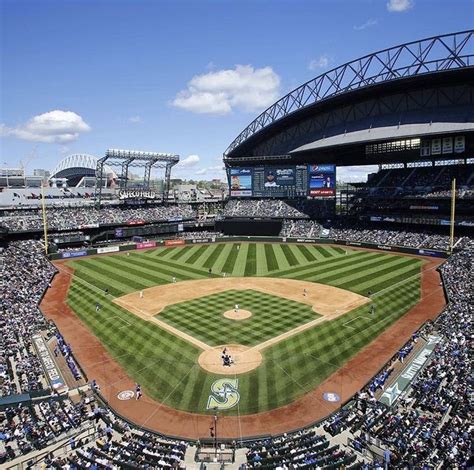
(135, 119)
(216, 170)
(188, 162)
(399, 6)
(370, 22)
(222, 91)
(322, 62)
(55, 126)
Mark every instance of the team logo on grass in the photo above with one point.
(126, 395)
(224, 394)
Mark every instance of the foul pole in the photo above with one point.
(45, 222)
(453, 208)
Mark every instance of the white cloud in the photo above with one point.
(216, 170)
(370, 22)
(354, 174)
(322, 62)
(55, 126)
(188, 162)
(135, 119)
(399, 6)
(222, 91)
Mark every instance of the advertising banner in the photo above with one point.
(73, 254)
(174, 242)
(142, 245)
(88, 226)
(459, 144)
(135, 222)
(322, 180)
(202, 240)
(107, 249)
(138, 194)
(240, 181)
(436, 147)
(447, 145)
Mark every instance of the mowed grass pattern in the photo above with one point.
(166, 365)
(203, 317)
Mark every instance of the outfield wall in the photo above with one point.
(178, 242)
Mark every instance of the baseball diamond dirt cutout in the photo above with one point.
(237, 314)
(328, 301)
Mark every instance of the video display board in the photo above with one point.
(289, 181)
(240, 182)
(322, 180)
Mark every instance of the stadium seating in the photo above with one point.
(428, 426)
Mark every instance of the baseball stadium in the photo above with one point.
(284, 320)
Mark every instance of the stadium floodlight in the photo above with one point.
(136, 159)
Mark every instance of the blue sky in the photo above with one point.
(178, 76)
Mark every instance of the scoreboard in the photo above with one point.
(298, 181)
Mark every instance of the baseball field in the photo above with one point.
(288, 315)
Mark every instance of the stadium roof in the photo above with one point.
(441, 57)
(385, 133)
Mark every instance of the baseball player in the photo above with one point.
(141, 294)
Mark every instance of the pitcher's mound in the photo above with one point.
(237, 315)
(244, 359)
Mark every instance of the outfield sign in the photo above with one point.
(203, 240)
(73, 254)
(108, 249)
(224, 394)
(391, 394)
(139, 194)
(179, 241)
(142, 245)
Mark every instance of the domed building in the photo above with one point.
(74, 168)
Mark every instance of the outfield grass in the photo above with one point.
(166, 365)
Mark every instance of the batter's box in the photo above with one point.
(353, 319)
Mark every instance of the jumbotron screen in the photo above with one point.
(307, 181)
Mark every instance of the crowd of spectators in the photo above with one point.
(25, 274)
(267, 208)
(300, 228)
(77, 217)
(360, 232)
(200, 234)
(305, 449)
(438, 177)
